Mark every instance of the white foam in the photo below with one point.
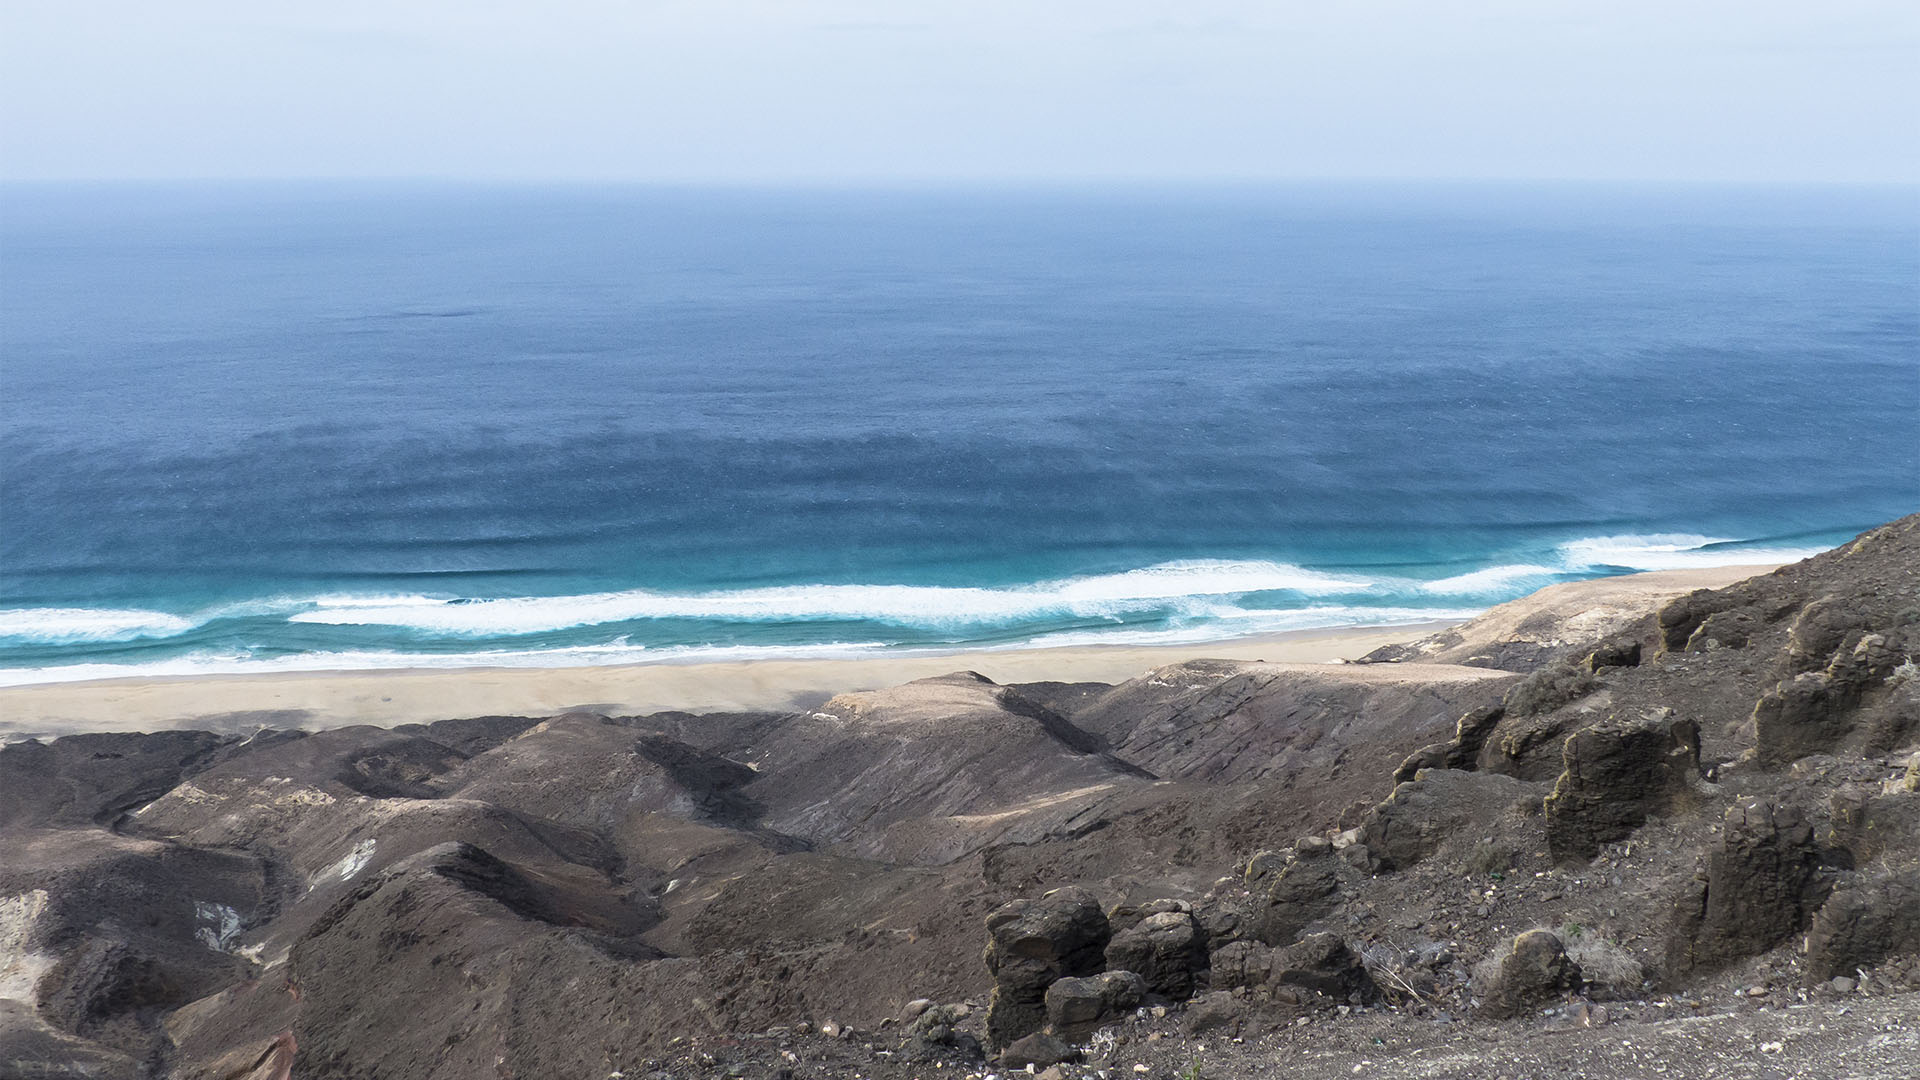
(1492, 579)
(61, 626)
(1671, 551)
(1185, 587)
(203, 664)
(1261, 622)
(1198, 631)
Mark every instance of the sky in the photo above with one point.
(756, 91)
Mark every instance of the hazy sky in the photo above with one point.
(770, 90)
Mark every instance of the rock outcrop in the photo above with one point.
(1166, 950)
(1762, 885)
(1031, 944)
(1618, 773)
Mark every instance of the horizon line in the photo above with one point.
(853, 182)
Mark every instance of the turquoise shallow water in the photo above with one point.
(310, 426)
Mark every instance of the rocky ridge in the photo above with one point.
(1686, 837)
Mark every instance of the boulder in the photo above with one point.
(1763, 884)
(1682, 616)
(1217, 1011)
(1819, 629)
(1039, 1050)
(1077, 1007)
(1031, 944)
(1799, 717)
(936, 1029)
(1530, 971)
(1124, 917)
(1325, 964)
(1302, 891)
(1240, 963)
(1617, 652)
(1549, 688)
(1440, 805)
(1863, 923)
(1618, 772)
(1876, 826)
(1166, 949)
(1460, 752)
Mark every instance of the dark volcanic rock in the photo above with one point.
(1863, 923)
(93, 779)
(1240, 963)
(1030, 945)
(1077, 1007)
(1218, 1011)
(1234, 721)
(1124, 917)
(1166, 950)
(1325, 964)
(1442, 805)
(1297, 894)
(1038, 1050)
(1800, 717)
(1618, 772)
(1724, 630)
(1460, 752)
(1763, 885)
(1618, 652)
(1530, 971)
(1817, 631)
(1874, 826)
(1681, 617)
(1549, 688)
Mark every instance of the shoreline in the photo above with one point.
(393, 696)
(388, 697)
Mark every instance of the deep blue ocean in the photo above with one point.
(259, 427)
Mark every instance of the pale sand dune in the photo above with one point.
(332, 699)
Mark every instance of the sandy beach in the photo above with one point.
(332, 699)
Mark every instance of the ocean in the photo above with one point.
(305, 426)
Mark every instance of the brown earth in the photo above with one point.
(1707, 805)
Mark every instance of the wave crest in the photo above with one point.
(1187, 588)
(71, 626)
